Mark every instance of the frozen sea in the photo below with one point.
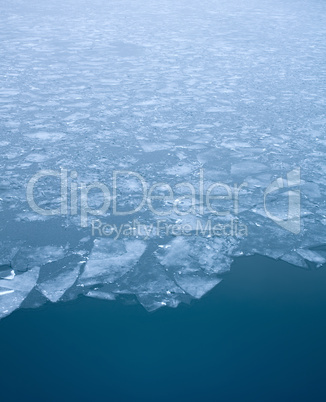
(102, 101)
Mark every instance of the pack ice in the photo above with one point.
(191, 92)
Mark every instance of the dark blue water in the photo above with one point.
(258, 336)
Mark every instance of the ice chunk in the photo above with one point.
(46, 136)
(182, 169)
(153, 147)
(196, 285)
(152, 285)
(294, 259)
(13, 292)
(312, 256)
(247, 168)
(6, 272)
(98, 294)
(29, 256)
(111, 259)
(54, 287)
(195, 254)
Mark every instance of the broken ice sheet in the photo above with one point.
(93, 95)
(196, 284)
(152, 285)
(195, 262)
(312, 256)
(56, 278)
(29, 256)
(195, 253)
(110, 259)
(14, 291)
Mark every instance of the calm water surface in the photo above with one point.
(258, 336)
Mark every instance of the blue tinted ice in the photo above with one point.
(192, 92)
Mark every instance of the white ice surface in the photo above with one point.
(163, 89)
